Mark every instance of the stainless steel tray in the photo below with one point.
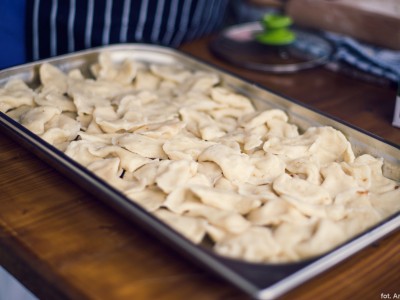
(261, 281)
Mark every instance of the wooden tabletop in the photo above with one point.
(63, 243)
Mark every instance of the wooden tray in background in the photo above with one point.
(373, 21)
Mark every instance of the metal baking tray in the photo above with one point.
(260, 281)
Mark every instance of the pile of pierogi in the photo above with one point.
(201, 158)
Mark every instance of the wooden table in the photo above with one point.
(63, 243)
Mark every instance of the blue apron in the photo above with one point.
(55, 27)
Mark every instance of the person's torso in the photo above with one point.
(55, 27)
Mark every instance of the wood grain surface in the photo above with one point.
(63, 243)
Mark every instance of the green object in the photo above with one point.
(281, 36)
(271, 21)
(276, 30)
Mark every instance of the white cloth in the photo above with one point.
(12, 289)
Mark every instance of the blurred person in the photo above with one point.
(36, 29)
